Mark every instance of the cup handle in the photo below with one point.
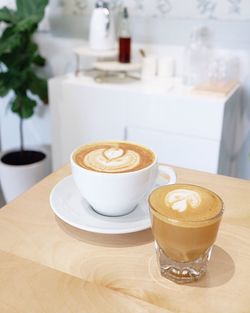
(166, 175)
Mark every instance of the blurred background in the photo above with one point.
(160, 28)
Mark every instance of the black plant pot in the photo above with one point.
(20, 170)
(22, 157)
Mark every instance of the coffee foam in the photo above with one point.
(180, 199)
(114, 157)
(185, 203)
(112, 160)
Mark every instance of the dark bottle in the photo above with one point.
(124, 38)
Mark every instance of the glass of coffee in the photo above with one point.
(114, 176)
(185, 220)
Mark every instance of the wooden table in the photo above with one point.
(48, 266)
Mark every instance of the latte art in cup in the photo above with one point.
(114, 157)
(186, 203)
(111, 160)
(180, 199)
(115, 176)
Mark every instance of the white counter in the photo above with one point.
(193, 131)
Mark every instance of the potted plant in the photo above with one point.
(19, 57)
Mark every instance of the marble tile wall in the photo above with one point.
(196, 9)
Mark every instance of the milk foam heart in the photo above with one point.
(113, 153)
(180, 199)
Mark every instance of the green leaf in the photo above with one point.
(38, 86)
(4, 90)
(26, 54)
(4, 87)
(7, 15)
(39, 60)
(27, 8)
(28, 108)
(14, 80)
(28, 23)
(23, 106)
(10, 40)
(31, 48)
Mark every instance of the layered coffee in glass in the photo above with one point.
(185, 222)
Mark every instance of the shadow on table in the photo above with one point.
(221, 269)
(109, 240)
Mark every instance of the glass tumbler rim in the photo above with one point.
(183, 222)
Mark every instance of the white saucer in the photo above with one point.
(68, 204)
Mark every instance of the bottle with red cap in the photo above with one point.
(124, 38)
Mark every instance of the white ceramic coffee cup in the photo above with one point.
(116, 194)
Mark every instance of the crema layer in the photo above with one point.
(181, 202)
(114, 157)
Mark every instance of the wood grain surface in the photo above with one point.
(30, 287)
(120, 269)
